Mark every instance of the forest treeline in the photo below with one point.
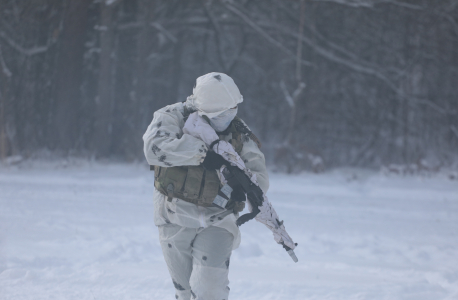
(333, 82)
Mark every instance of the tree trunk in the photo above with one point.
(141, 86)
(104, 100)
(69, 74)
(5, 76)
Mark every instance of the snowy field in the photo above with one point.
(85, 231)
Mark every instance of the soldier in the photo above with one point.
(197, 236)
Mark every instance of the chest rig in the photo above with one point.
(195, 184)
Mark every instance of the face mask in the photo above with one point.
(223, 120)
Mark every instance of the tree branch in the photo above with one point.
(264, 34)
(218, 32)
(454, 130)
(372, 3)
(167, 33)
(292, 99)
(332, 57)
(358, 67)
(5, 69)
(403, 4)
(451, 20)
(231, 63)
(112, 2)
(353, 3)
(288, 98)
(22, 50)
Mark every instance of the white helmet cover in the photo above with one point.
(215, 93)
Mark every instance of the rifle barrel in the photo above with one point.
(293, 255)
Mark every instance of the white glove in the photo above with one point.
(199, 128)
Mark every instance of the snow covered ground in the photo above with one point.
(86, 232)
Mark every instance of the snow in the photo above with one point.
(85, 231)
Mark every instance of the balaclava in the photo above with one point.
(223, 120)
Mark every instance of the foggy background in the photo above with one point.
(326, 83)
(365, 90)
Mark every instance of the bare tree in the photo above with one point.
(68, 75)
(86, 76)
(105, 97)
(5, 76)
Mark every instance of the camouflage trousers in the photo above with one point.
(198, 260)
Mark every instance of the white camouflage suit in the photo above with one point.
(197, 248)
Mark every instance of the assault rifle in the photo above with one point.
(235, 177)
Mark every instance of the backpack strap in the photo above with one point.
(241, 127)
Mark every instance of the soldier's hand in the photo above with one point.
(237, 202)
(213, 161)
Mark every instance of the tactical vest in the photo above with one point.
(195, 184)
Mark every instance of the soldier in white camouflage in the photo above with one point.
(197, 236)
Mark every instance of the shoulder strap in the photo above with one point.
(241, 127)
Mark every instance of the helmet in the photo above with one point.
(215, 93)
